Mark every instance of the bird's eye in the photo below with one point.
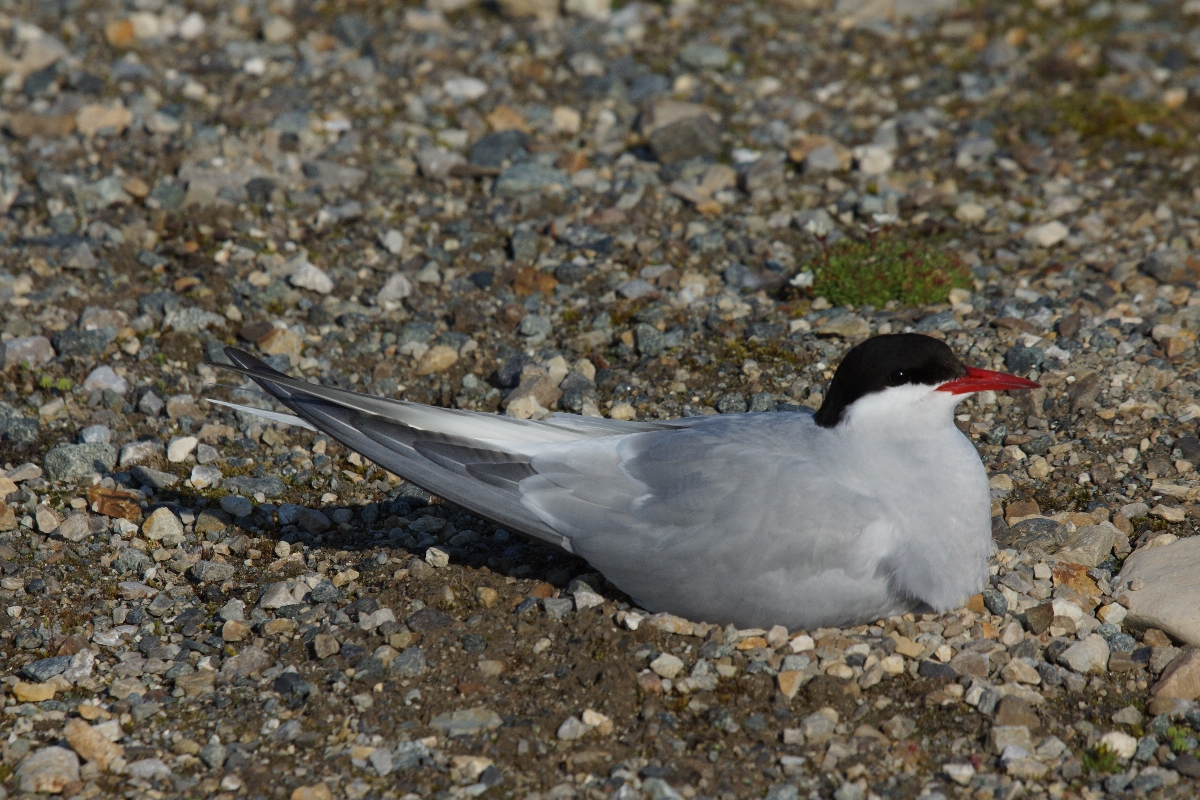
(898, 377)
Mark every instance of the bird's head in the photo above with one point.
(904, 379)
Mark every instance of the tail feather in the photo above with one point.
(381, 430)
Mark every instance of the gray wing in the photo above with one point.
(743, 512)
(474, 460)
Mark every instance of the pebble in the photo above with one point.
(237, 506)
(306, 275)
(48, 770)
(1089, 655)
(163, 526)
(71, 461)
(466, 723)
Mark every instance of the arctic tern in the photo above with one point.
(873, 506)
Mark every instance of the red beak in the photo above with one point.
(979, 380)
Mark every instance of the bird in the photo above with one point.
(873, 506)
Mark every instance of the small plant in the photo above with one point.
(45, 382)
(63, 385)
(1101, 759)
(884, 268)
(1177, 738)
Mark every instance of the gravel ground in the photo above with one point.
(509, 208)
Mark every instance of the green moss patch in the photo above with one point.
(884, 268)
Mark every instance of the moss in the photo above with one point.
(1100, 118)
(884, 268)
(1101, 759)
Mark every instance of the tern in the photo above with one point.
(876, 505)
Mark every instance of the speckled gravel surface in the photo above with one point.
(521, 209)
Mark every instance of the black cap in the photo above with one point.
(885, 361)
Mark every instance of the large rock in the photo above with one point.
(1045, 534)
(48, 770)
(1181, 678)
(77, 460)
(1168, 597)
(31, 350)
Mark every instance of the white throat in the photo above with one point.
(912, 411)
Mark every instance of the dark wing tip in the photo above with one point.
(241, 358)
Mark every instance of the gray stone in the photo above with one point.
(32, 351)
(466, 723)
(269, 486)
(492, 149)
(75, 342)
(410, 663)
(693, 137)
(148, 768)
(206, 476)
(151, 405)
(1020, 359)
(154, 478)
(277, 595)
(1090, 545)
(313, 521)
(558, 607)
(1169, 266)
(75, 528)
(213, 754)
(46, 668)
(529, 176)
(96, 434)
(249, 661)
(1168, 597)
(211, 571)
(192, 320)
(132, 560)
(163, 526)
(237, 506)
(1039, 532)
(702, 55)
(1089, 655)
(48, 770)
(650, 340)
(78, 460)
(436, 162)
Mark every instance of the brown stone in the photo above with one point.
(1020, 509)
(281, 341)
(115, 503)
(318, 791)
(971, 662)
(325, 645)
(532, 281)
(790, 682)
(90, 744)
(1039, 617)
(1015, 711)
(24, 124)
(1181, 678)
(33, 692)
(438, 358)
(120, 33)
(506, 118)
(975, 604)
(136, 187)
(1153, 637)
(198, 683)
(542, 591)
(8, 518)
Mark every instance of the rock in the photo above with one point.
(95, 118)
(1169, 597)
(74, 342)
(438, 358)
(46, 668)
(1002, 737)
(1089, 655)
(33, 692)
(1121, 744)
(33, 351)
(163, 526)
(1090, 544)
(667, 665)
(79, 460)
(529, 176)
(1020, 359)
(154, 478)
(466, 723)
(319, 791)
(493, 149)
(91, 744)
(1045, 534)
(325, 645)
(1186, 764)
(845, 326)
(237, 506)
(394, 290)
(211, 571)
(306, 275)
(139, 452)
(436, 163)
(1181, 678)
(96, 434)
(197, 683)
(572, 728)
(148, 769)
(268, 486)
(75, 528)
(1047, 234)
(48, 770)
(465, 89)
(692, 137)
(249, 661)
(1169, 266)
